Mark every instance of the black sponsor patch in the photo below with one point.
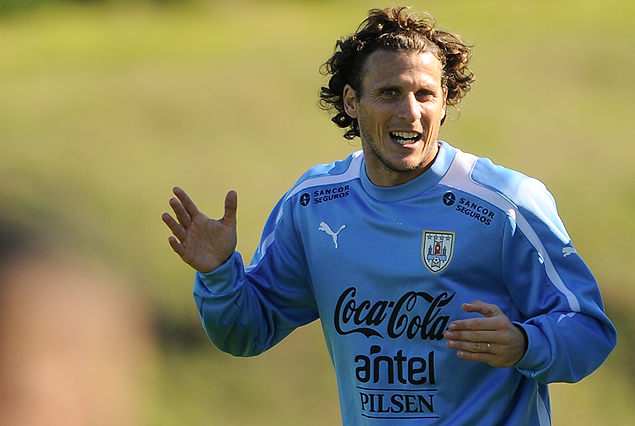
(449, 199)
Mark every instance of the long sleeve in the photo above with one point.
(569, 335)
(246, 310)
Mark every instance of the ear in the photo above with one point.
(350, 101)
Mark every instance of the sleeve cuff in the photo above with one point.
(538, 353)
(221, 280)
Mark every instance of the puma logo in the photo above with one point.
(324, 227)
(568, 251)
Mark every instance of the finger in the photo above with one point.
(176, 228)
(492, 357)
(472, 335)
(488, 310)
(186, 201)
(475, 324)
(176, 246)
(231, 206)
(477, 356)
(182, 216)
(473, 347)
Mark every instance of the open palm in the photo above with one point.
(203, 243)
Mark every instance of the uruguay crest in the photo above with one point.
(437, 249)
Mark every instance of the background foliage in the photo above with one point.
(106, 105)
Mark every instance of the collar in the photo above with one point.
(420, 184)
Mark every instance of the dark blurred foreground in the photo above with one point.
(76, 344)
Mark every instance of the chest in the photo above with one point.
(367, 258)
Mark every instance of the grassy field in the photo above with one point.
(104, 108)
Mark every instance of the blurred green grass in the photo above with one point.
(105, 107)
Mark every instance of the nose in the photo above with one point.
(409, 108)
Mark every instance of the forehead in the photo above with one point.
(385, 67)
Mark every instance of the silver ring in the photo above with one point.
(489, 347)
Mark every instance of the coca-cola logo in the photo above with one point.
(415, 314)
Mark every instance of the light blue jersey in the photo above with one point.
(387, 269)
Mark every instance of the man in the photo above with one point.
(448, 289)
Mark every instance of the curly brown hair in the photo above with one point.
(396, 30)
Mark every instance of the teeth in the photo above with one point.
(405, 137)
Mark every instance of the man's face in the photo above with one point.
(399, 109)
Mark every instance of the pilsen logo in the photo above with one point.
(437, 250)
(415, 314)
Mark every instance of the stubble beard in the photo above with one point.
(396, 168)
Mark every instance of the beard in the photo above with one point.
(372, 148)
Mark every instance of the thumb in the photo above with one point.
(231, 206)
(486, 309)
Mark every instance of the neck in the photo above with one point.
(383, 174)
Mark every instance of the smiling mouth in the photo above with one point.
(405, 138)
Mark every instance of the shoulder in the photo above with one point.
(482, 177)
(527, 195)
(524, 192)
(336, 168)
(520, 196)
(329, 174)
(519, 188)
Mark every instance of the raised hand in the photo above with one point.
(203, 243)
(492, 339)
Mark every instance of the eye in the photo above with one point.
(390, 92)
(424, 95)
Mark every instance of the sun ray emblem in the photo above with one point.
(437, 249)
